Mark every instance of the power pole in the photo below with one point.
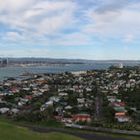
(98, 103)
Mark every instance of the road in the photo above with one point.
(86, 136)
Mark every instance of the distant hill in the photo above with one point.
(68, 61)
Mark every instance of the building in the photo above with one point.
(82, 118)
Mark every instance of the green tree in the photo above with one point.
(108, 113)
(47, 114)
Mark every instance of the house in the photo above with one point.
(120, 109)
(82, 118)
(46, 105)
(121, 117)
(55, 99)
(4, 110)
(118, 104)
(68, 107)
(26, 89)
(20, 104)
(88, 89)
(78, 73)
(63, 94)
(36, 93)
(81, 100)
(111, 98)
(14, 90)
(49, 103)
(66, 120)
(29, 97)
(14, 111)
(59, 110)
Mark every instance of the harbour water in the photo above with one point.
(13, 71)
(16, 71)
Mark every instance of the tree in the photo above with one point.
(108, 113)
(47, 114)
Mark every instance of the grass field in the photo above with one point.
(13, 132)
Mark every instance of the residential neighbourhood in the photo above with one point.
(91, 98)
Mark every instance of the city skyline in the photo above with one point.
(73, 29)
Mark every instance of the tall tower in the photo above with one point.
(7, 61)
(4, 62)
(0, 61)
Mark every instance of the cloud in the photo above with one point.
(14, 5)
(12, 37)
(73, 39)
(128, 38)
(37, 16)
(111, 5)
(114, 23)
(37, 52)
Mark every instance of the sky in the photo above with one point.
(75, 29)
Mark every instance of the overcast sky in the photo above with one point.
(88, 29)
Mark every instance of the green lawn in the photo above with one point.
(13, 132)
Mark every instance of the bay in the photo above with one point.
(13, 71)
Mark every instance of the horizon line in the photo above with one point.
(33, 57)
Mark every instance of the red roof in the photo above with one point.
(28, 97)
(122, 104)
(81, 116)
(120, 114)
